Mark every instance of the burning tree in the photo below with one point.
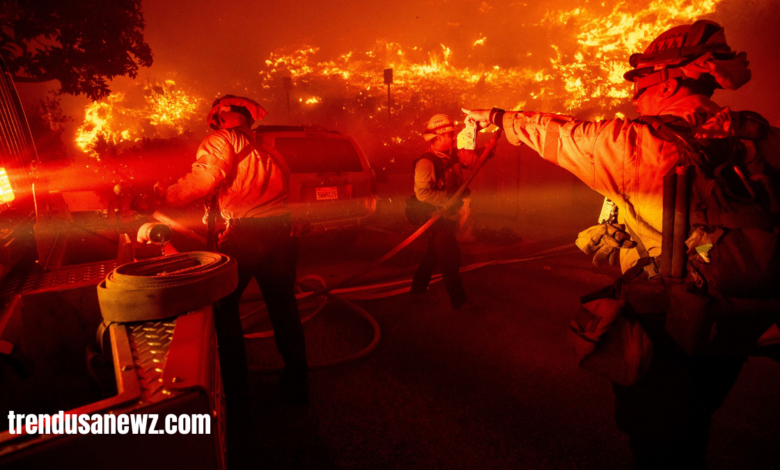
(81, 44)
(163, 111)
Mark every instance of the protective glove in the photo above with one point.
(481, 117)
(467, 138)
(606, 241)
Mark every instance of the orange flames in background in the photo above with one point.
(578, 71)
(605, 39)
(585, 68)
(164, 111)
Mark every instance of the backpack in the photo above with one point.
(720, 259)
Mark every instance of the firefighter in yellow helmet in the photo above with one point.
(250, 181)
(665, 405)
(437, 176)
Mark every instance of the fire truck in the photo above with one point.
(57, 354)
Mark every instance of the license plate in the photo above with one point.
(327, 192)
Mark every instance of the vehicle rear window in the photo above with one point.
(318, 155)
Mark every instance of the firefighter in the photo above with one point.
(437, 176)
(251, 182)
(667, 412)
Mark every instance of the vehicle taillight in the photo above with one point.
(6, 192)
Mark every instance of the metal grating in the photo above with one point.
(73, 275)
(83, 273)
(149, 342)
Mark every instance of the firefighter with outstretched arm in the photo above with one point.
(667, 407)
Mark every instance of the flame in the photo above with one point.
(606, 39)
(170, 106)
(100, 120)
(579, 71)
(416, 74)
(583, 69)
(116, 119)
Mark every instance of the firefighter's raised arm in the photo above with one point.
(585, 148)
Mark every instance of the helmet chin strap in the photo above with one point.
(646, 81)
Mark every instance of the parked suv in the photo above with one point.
(332, 186)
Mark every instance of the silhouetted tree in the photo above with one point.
(81, 43)
(47, 124)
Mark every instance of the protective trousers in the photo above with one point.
(263, 249)
(667, 414)
(443, 251)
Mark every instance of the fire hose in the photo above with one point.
(152, 289)
(486, 154)
(327, 291)
(346, 295)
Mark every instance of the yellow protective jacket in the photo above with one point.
(620, 159)
(251, 183)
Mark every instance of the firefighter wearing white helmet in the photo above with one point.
(664, 396)
(250, 181)
(437, 175)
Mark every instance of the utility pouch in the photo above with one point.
(418, 212)
(690, 319)
(610, 341)
(708, 325)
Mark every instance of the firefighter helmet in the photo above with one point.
(236, 104)
(689, 51)
(437, 125)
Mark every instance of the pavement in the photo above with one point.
(495, 388)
